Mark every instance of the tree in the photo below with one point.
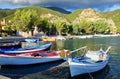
(24, 20)
(76, 29)
(59, 24)
(118, 29)
(65, 29)
(70, 28)
(100, 26)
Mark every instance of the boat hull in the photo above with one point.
(27, 50)
(6, 60)
(86, 67)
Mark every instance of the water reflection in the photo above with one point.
(60, 44)
(114, 64)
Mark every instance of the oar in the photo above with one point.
(70, 56)
(66, 53)
(107, 49)
(79, 49)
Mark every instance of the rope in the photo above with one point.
(90, 76)
(87, 71)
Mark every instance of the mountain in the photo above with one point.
(89, 15)
(86, 13)
(59, 10)
(6, 12)
(114, 15)
(73, 15)
(40, 11)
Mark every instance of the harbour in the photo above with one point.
(61, 70)
(48, 39)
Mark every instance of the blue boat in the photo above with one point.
(30, 49)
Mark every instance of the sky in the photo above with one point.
(70, 5)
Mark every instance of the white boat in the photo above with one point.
(28, 59)
(92, 61)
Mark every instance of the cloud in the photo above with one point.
(114, 7)
(101, 5)
(106, 8)
(21, 2)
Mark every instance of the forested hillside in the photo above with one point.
(86, 21)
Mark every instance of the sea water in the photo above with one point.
(111, 71)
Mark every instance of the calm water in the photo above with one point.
(113, 68)
(111, 71)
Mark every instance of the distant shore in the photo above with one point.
(95, 36)
(16, 38)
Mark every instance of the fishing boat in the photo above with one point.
(33, 58)
(29, 58)
(31, 40)
(90, 62)
(10, 45)
(30, 49)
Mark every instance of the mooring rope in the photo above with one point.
(87, 71)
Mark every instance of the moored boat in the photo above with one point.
(30, 49)
(29, 58)
(92, 61)
(33, 58)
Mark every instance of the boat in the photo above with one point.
(31, 40)
(33, 58)
(10, 45)
(31, 49)
(90, 62)
(29, 58)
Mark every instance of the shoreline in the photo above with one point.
(53, 38)
(95, 36)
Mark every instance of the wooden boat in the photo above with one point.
(10, 45)
(32, 58)
(30, 49)
(28, 58)
(92, 61)
(31, 40)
